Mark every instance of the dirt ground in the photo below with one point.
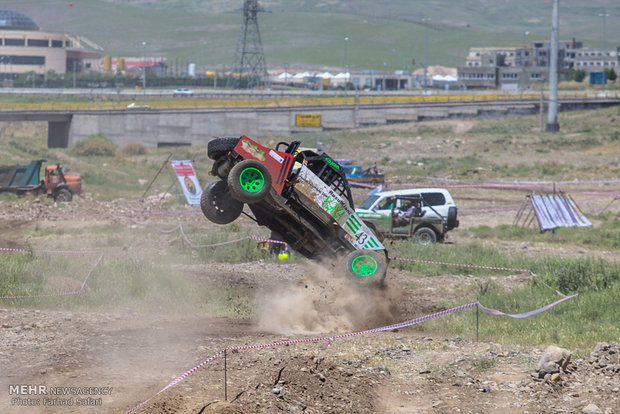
(124, 358)
(115, 361)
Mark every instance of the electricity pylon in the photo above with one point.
(249, 68)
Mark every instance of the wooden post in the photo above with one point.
(225, 379)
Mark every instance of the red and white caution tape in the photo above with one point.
(330, 339)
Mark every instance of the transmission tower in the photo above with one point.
(249, 69)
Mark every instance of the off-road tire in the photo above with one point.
(249, 181)
(63, 195)
(367, 266)
(220, 146)
(217, 205)
(425, 235)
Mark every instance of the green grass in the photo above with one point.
(206, 32)
(150, 283)
(141, 285)
(16, 279)
(581, 322)
(565, 273)
(577, 323)
(604, 237)
(29, 274)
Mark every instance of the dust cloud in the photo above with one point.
(324, 301)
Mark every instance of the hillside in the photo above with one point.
(312, 33)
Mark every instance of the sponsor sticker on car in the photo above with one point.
(357, 233)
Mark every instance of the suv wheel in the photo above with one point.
(425, 235)
(217, 205)
(249, 181)
(366, 265)
(220, 146)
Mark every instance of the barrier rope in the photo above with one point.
(255, 238)
(330, 339)
(83, 285)
(471, 266)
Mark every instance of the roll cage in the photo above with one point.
(329, 171)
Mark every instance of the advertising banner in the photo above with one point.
(188, 180)
(308, 120)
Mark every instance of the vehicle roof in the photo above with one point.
(410, 191)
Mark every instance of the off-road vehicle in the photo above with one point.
(407, 218)
(423, 214)
(301, 196)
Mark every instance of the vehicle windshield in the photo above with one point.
(368, 202)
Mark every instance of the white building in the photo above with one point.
(25, 48)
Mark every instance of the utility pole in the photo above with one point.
(552, 115)
(604, 16)
(425, 20)
(346, 71)
(144, 73)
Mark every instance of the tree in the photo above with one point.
(611, 74)
(578, 75)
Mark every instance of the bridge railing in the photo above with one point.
(101, 99)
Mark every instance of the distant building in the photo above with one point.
(528, 67)
(508, 68)
(25, 48)
(156, 66)
(498, 56)
(597, 59)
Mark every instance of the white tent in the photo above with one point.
(285, 75)
(446, 78)
(325, 75)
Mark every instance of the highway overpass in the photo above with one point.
(157, 127)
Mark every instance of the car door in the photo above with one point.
(381, 213)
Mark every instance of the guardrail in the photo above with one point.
(50, 99)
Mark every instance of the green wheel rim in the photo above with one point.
(251, 180)
(364, 266)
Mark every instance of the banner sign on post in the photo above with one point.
(188, 180)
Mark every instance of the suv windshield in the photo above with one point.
(369, 202)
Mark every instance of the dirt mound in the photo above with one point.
(310, 385)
